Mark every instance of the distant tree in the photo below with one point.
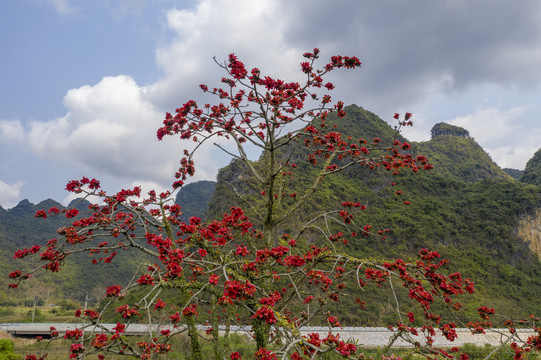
(243, 271)
(7, 350)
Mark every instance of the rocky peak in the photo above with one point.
(444, 129)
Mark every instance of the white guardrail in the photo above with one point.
(364, 336)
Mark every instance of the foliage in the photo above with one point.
(442, 129)
(34, 315)
(482, 352)
(194, 198)
(59, 349)
(532, 172)
(19, 229)
(465, 208)
(514, 173)
(7, 350)
(259, 269)
(459, 158)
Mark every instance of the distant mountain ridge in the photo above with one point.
(19, 228)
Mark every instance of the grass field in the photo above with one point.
(57, 350)
(23, 314)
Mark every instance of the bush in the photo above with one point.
(6, 350)
(68, 304)
(38, 316)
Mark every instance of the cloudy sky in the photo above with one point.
(85, 84)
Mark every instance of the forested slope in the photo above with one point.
(466, 208)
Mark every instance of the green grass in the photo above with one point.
(58, 349)
(23, 314)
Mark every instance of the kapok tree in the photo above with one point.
(202, 278)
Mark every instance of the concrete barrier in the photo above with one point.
(363, 336)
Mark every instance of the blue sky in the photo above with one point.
(85, 84)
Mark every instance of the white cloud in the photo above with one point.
(62, 7)
(10, 194)
(146, 186)
(509, 141)
(215, 29)
(122, 8)
(110, 128)
(492, 124)
(517, 147)
(72, 196)
(516, 155)
(11, 131)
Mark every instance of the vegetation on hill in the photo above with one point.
(465, 208)
(514, 173)
(461, 159)
(532, 172)
(193, 199)
(444, 129)
(19, 228)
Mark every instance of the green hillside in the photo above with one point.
(514, 173)
(193, 198)
(466, 208)
(460, 158)
(19, 229)
(532, 172)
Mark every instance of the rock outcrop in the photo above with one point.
(442, 129)
(529, 230)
